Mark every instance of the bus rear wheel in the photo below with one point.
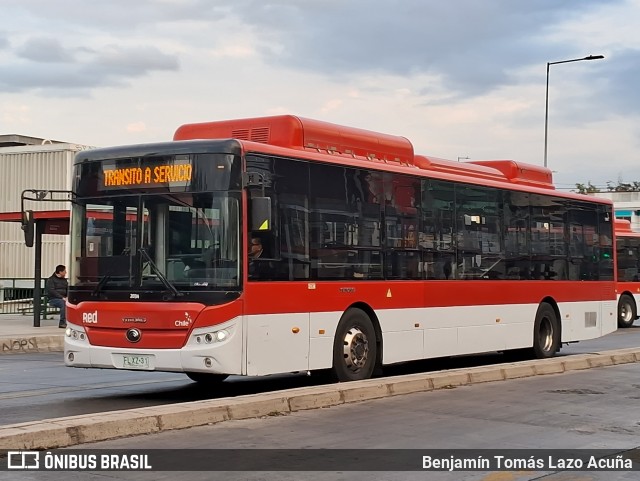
(546, 332)
(627, 312)
(355, 349)
(206, 378)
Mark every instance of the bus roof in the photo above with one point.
(623, 226)
(299, 133)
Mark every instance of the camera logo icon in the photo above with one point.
(23, 460)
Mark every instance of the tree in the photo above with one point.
(623, 186)
(587, 189)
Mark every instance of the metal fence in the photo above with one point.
(16, 297)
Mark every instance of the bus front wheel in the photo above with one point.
(355, 349)
(546, 332)
(627, 312)
(206, 378)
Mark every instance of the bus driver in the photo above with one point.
(255, 250)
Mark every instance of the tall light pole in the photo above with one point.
(546, 109)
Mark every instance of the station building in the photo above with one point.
(32, 163)
(626, 206)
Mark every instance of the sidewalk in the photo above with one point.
(18, 336)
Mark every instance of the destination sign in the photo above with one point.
(166, 173)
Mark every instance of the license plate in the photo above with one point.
(136, 362)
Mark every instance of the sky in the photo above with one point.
(459, 79)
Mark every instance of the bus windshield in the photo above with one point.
(177, 241)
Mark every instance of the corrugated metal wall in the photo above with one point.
(33, 167)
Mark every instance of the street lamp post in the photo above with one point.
(546, 110)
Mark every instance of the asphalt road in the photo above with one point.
(38, 386)
(590, 409)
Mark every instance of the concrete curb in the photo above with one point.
(26, 344)
(70, 431)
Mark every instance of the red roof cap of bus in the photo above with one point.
(498, 170)
(459, 168)
(521, 173)
(622, 225)
(305, 134)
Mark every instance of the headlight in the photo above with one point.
(212, 337)
(75, 334)
(221, 335)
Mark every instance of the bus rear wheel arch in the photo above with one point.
(546, 332)
(355, 347)
(627, 311)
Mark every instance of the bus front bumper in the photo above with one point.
(206, 351)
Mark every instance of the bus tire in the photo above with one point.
(355, 349)
(627, 311)
(546, 332)
(206, 378)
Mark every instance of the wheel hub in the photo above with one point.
(356, 349)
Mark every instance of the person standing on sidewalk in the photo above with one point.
(57, 286)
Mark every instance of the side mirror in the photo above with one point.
(261, 214)
(28, 227)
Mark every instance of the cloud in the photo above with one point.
(462, 78)
(337, 39)
(109, 66)
(132, 62)
(619, 88)
(112, 16)
(471, 57)
(44, 49)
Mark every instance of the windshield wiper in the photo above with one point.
(160, 275)
(101, 283)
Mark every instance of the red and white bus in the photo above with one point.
(371, 255)
(628, 272)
